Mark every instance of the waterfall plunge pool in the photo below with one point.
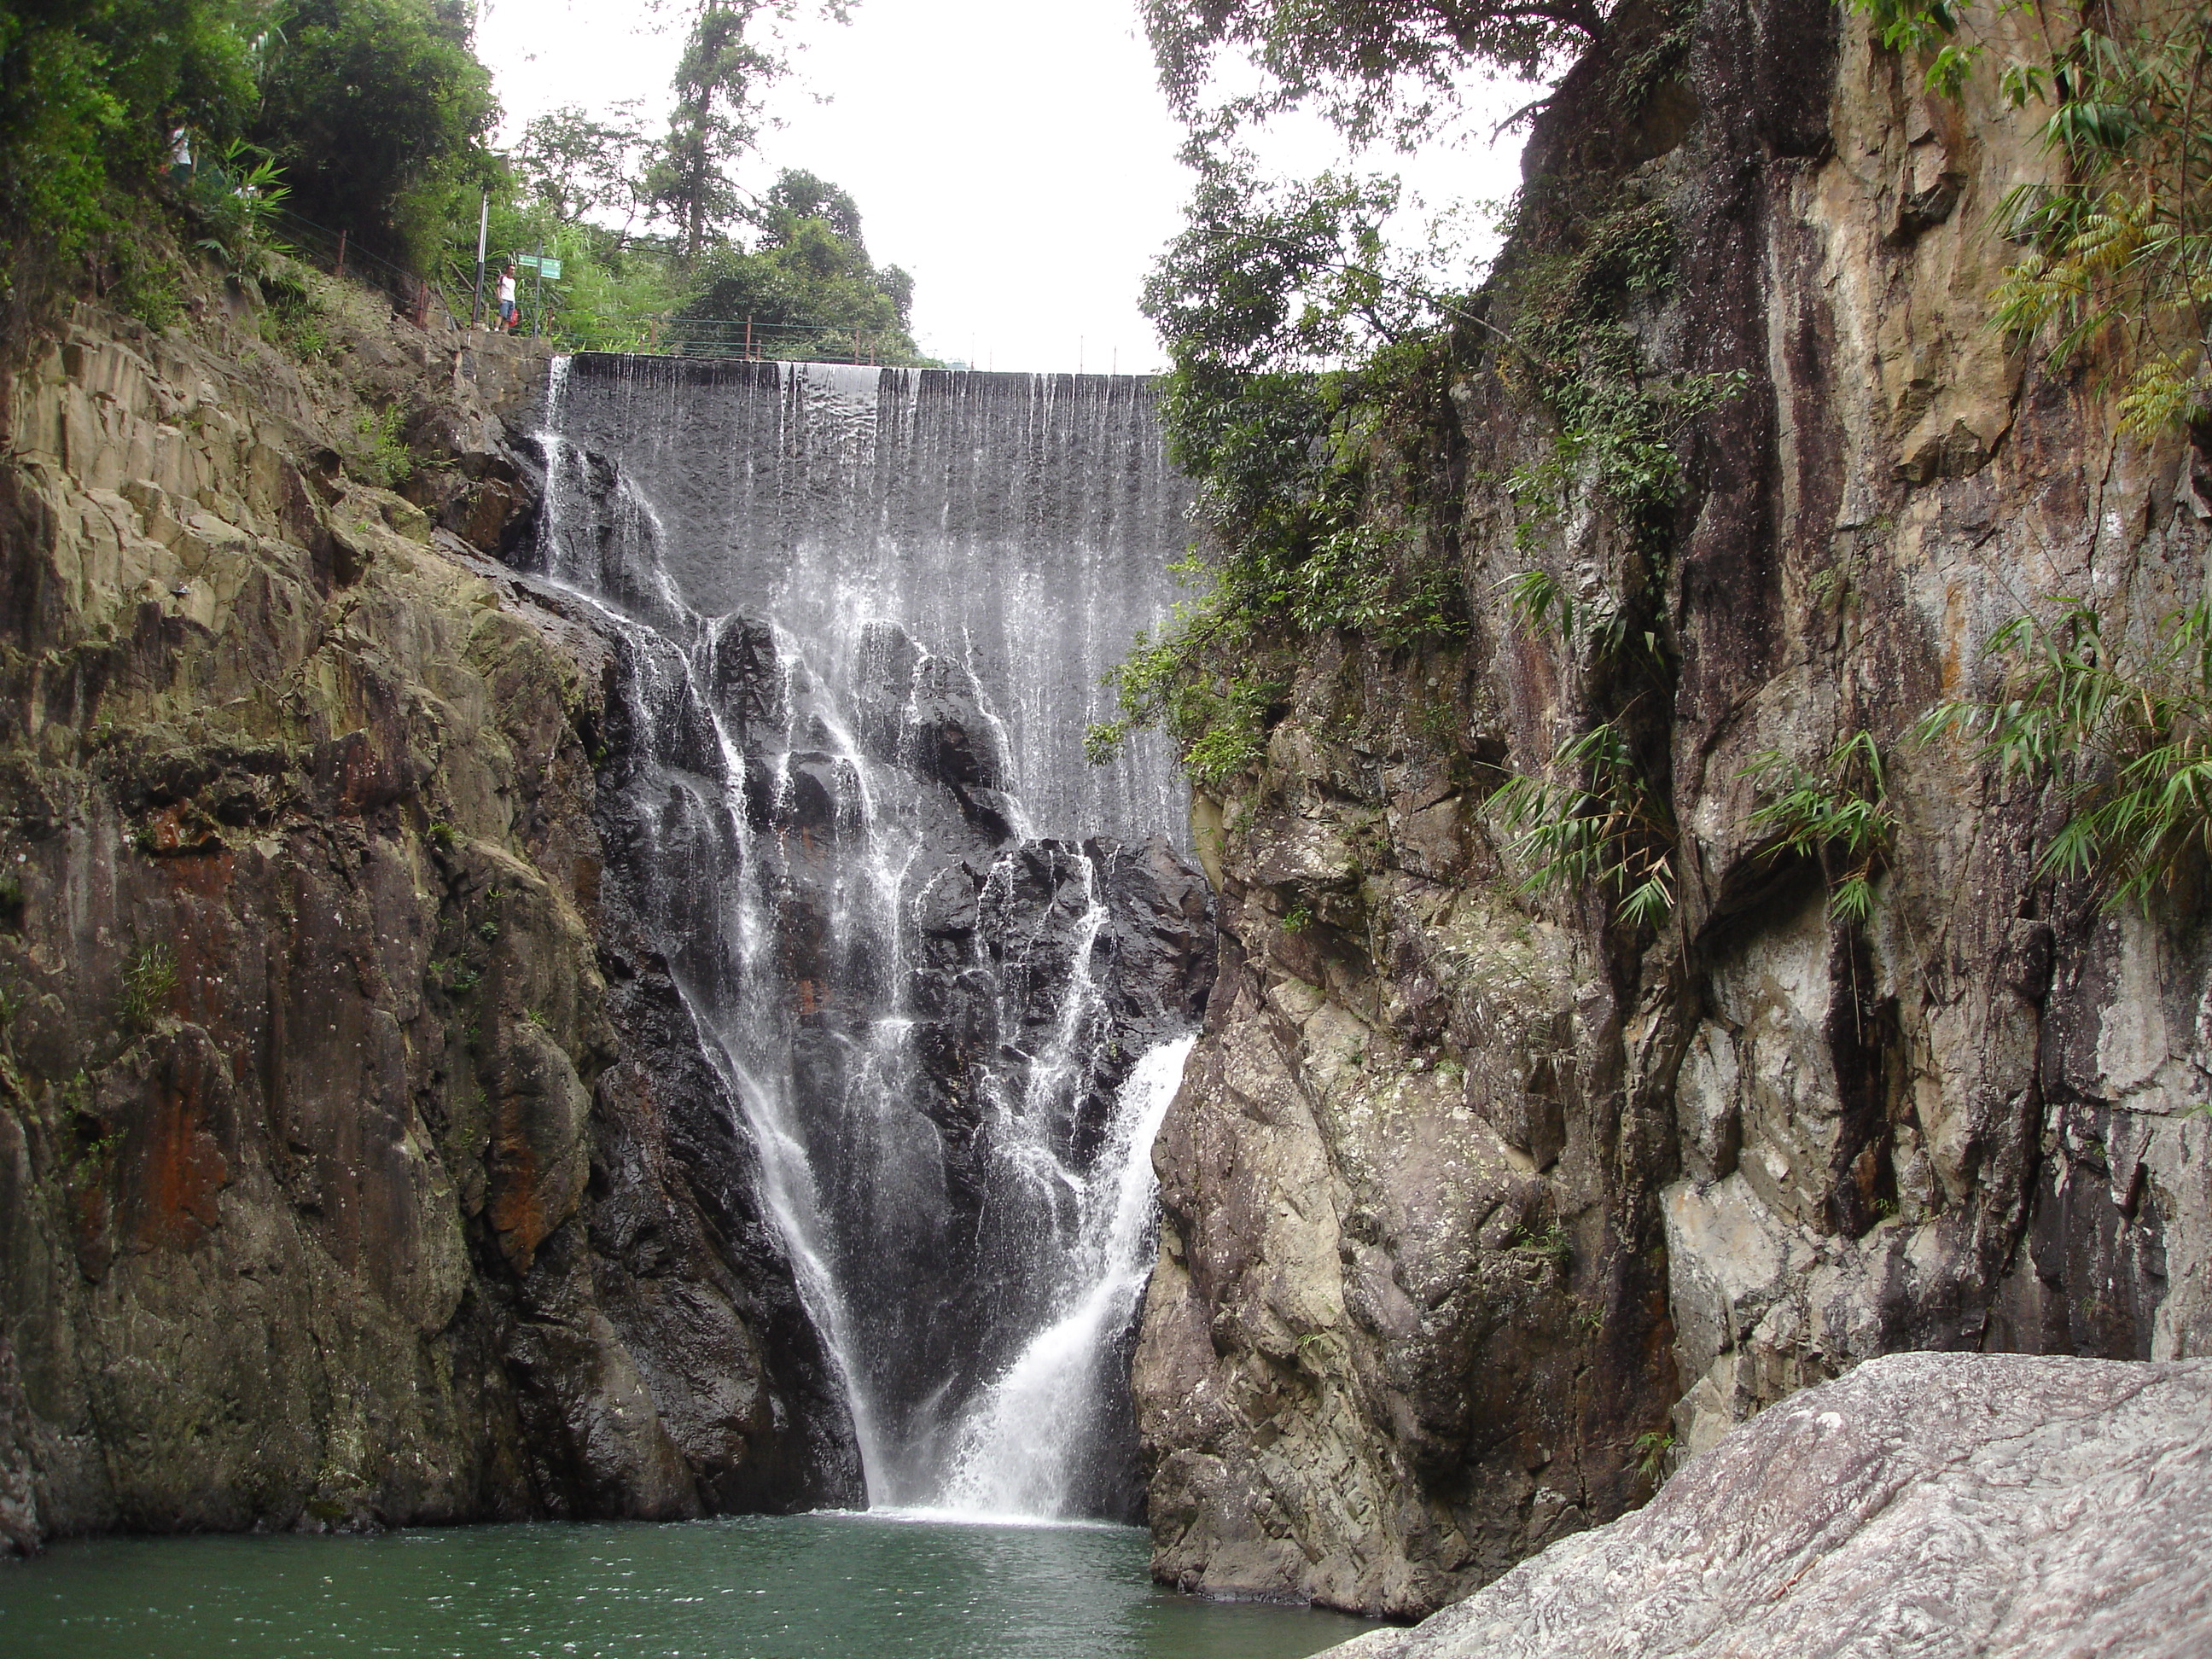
(822, 1586)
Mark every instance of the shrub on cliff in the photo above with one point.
(1306, 395)
(1314, 362)
(90, 93)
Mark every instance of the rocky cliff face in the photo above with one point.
(375, 968)
(338, 1186)
(1475, 1201)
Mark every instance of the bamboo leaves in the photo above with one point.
(2125, 734)
(2117, 267)
(1592, 819)
(1837, 813)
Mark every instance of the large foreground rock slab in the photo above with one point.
(1997, 1505)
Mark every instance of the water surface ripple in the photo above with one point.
(802, 1587)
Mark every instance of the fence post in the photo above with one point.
(749, 339)
(483, 223)
(341, 241)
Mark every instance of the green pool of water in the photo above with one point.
(852, 1586)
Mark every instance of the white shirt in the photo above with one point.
(507, 290)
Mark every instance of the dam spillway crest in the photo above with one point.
(943, 972)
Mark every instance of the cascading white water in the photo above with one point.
(1019, 1448)
(663, 686)
(862, 616)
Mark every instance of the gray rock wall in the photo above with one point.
(329, 1195)
(1476, 1201)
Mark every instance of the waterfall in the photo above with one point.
(944, 969)
(1021, 1446)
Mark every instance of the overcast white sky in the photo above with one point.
(1015, 156)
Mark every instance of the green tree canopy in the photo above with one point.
(807, 271)
(374, 113)
(583, 167)
(370, 106)
(798, 196)
(718, 84)
(89, 90)
(1370, 66)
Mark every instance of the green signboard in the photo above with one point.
(546, 266)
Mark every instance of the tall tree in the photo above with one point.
(719, 81)
(586, 167)
(366, 102)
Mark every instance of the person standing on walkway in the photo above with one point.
(508, 311)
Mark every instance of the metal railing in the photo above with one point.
(412, 295)
(728, 340)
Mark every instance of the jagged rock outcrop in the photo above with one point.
(330, 1194)
(2007, 1507)
(1475, 1200)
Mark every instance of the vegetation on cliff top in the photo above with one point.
(1314, 372)
(373, 118)
(1312, 396)
(792, 263)
(375, 109)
